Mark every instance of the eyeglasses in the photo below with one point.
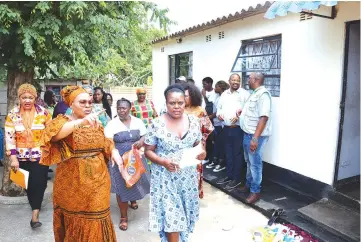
(83, 103)
(142, 93)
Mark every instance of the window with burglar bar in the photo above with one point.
(180, 65)
(261, 55)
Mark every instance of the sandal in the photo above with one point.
(133, 205)
(123, 224)
(35, 225)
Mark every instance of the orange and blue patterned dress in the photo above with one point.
(145, 112)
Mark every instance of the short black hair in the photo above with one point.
(173, 88)
(48, 97)
(223, 85)
(194, 94)
(178, 81)
(190, 80)
(208, 79)
(235, 74)
(125, 101)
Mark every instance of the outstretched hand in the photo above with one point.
(93, 119)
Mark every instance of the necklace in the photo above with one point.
(127, 127)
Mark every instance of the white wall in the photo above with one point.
(306, 115)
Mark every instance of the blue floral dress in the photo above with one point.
(174, 200)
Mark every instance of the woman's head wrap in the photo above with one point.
(141, 90)
(69, 93)
(27, 88)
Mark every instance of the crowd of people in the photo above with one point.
(86, 140)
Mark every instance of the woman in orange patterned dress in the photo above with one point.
(193, 98)
(81, 199)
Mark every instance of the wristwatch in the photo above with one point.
(254, 139)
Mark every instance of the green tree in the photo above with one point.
(71, 37)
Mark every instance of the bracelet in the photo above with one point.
(254, 139)
(77, 126)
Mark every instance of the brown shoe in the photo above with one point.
(253, 197)
(244, 189)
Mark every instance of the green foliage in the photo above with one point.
(108, 42)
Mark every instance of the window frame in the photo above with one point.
(51, 87)
(177, 65)
(276, 54)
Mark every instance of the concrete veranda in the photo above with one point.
(222, 218)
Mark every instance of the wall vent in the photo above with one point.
(221, 35)
(305, 16)
(208, 38)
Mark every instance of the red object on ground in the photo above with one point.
(306, 236)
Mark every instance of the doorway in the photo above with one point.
(347, 175)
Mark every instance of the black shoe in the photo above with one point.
(233, 184)
(35, 225)
(51, 170)
(219, 168)
(210, 165)
(224, 180)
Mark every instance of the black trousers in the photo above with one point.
(219, 144)
(38, 179)
(209, 147)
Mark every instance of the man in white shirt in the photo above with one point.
(218, 147)
(255, 121)
(230, 102)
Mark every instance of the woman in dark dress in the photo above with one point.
(126, 131)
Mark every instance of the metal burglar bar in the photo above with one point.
(261, 55)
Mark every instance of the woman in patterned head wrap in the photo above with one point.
(24, 126)
(76, 143)
(143, 108)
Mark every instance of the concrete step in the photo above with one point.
(275, 196)
(345, 200)
(333, 217)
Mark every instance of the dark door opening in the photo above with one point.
(347, 173)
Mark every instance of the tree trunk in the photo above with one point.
(14, 79)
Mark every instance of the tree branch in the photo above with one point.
(52, 72)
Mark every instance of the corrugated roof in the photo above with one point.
(219, 21)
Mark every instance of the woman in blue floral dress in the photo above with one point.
(174, 200)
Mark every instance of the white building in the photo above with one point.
(315, 59)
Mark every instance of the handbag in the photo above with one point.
(132, 167)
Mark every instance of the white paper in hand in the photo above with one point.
(189, 156)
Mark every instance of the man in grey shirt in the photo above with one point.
(255, 121)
